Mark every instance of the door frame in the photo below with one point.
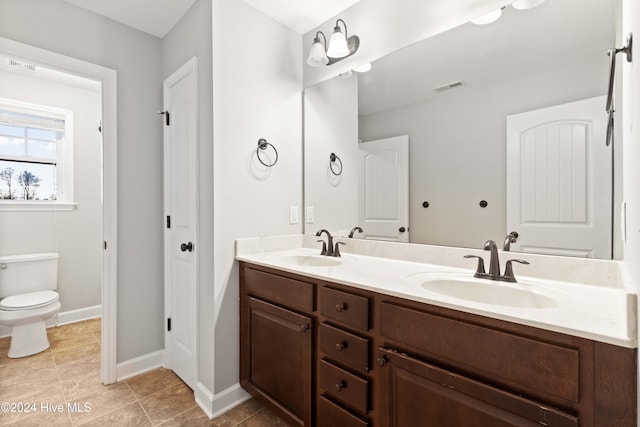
(191, 66)
(108, 78)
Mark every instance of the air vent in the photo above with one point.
(21, 65)
(448, 86)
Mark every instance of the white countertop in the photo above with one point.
(602, 313)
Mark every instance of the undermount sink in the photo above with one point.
(312, 260)
(487, 292)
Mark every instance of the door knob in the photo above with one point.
(186, 247)
(402, 229)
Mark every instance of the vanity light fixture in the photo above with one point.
(488, 18)
(340, 46)
(363, 68)
(493, 16)
(526, 4)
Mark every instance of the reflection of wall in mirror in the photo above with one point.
(331, 126)
(457, 147)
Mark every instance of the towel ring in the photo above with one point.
(262, 145)
(332, 161)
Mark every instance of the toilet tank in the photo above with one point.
(20, 274)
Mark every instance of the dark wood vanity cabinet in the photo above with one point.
(277, 343)
(327, 355)
(344, 355)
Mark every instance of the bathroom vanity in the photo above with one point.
(323, 349)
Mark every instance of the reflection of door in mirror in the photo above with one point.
(383, 193)
(559, 180)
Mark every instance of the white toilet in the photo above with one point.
(28, 299)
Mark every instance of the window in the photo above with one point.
(35, 154)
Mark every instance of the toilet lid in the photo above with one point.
(27, 301)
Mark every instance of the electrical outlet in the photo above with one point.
(309, 215)
(293, 215)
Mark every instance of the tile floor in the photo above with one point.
(61, 387)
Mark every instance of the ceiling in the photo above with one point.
(157, 17)
(301, 15)
(555, 32)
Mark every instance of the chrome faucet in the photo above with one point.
(329, 249)
(353, 231)
(494, 264)
(508, 240)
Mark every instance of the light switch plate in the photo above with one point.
(309, 214)
(293, 215)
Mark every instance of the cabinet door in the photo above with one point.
(415, 393)
(281, 358)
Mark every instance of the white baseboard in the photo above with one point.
(139, 365)
(217, 404)
(65, 317)
(80, 314)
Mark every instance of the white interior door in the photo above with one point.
(383, 193)
(559, 183)
(180, 188)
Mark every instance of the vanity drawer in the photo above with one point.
(290, 292)
(343, 386)
(492, 354)
(346, 308)
(344, 347)
(331, 415)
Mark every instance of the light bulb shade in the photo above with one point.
(338, 47)
(526, 4)
(363, 68)
(317, 55)
(487, 18)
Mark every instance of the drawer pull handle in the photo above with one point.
(340, 386)
(382, 360)
(341, 345)
(341, 307)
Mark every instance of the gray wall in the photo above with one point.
(66, 29)
(190, 37)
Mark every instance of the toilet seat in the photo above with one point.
(29, 301)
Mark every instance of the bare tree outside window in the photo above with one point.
(29, 184)
(6, 176)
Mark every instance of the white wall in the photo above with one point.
(76, 235)
(631, 137)
(192, 36)
(331, 126)
(385, 26)
(66, 29)
(257, 84)
(631, 142)
(458, 147)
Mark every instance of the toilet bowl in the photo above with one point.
(28, 299)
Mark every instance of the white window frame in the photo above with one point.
(64, 162)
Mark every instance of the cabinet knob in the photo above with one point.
(341, 307)
(382, 360)
(304, 328)
(340, 386)
(341, 345)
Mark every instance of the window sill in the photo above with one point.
(9, 206)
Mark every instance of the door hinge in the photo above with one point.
(168, 221)
(100, 126)
(105, 245)
(169, 324)
(166, 115)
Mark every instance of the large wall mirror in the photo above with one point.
(502, 127)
